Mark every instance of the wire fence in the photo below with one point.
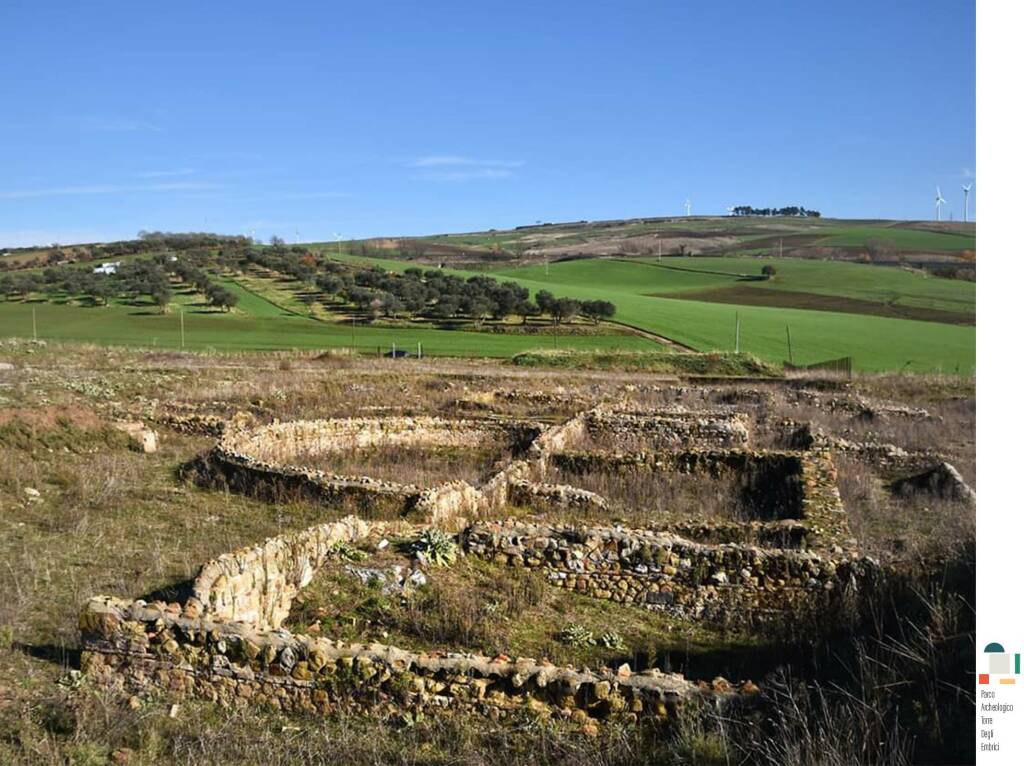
(843, 365)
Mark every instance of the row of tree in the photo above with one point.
(790, 210)
(193, 275)
(418, 292)
(147, 242)
(134, 279)
(431, 293)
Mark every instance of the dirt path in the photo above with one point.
(685, 268)
(660, 339)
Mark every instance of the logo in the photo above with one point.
(1002, 666)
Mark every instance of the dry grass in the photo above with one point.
(476, 606)
(422, 466)
(887, 525)
(113, 521)
(659, 498)
(897, 691)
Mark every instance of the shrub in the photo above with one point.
(436, 548)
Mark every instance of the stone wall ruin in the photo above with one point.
(226, 641)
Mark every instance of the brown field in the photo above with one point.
(755, 296)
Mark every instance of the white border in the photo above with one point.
(1000, 214)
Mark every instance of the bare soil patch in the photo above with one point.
(50, 418)
(753, 296)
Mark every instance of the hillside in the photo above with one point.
(871, 290)
(879, 241)
(866, 289)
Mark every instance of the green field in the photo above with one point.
(875, 342)
(250, 302)
(900, 238)
(143, 326)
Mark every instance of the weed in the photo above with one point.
(576, 635)
(436, 548)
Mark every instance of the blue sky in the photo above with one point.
(413, 118)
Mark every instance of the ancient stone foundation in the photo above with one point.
(138, 645)
(256, 585)
(727, 583)
(225, 642)
(261, 461)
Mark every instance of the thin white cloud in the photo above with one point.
(489, 174)
(457, 167)
(455, 160)
(68, 191)
(168, 173)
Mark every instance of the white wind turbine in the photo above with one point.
(967, 195)
(939, 202)
(687, 206)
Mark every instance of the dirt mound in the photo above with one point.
(53, 418)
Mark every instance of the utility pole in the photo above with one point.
(737, 332)
(789, 342)
(35, 335)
